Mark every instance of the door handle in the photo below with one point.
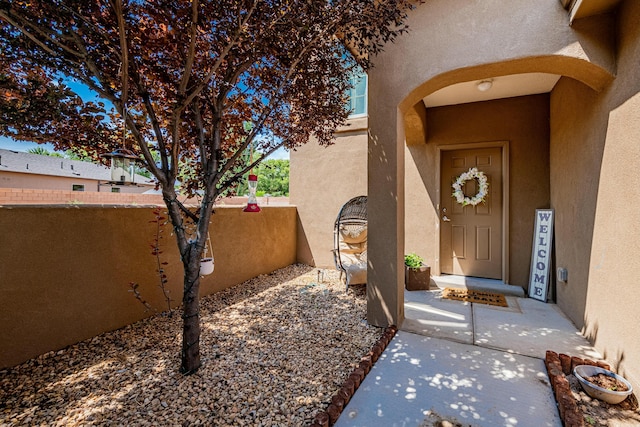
(445, 218)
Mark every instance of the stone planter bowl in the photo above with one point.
(613, 397)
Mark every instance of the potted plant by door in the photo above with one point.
(417, 275)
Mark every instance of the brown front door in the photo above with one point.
(471, 236)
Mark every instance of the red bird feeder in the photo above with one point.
(252, 203)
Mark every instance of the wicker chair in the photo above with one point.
(350, 241)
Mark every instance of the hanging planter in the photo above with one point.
(206, 266)
(206, 263)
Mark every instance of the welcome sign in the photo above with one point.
(541, 255)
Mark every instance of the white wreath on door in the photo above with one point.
(483, 187)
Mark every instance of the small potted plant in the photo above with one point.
(417, 275)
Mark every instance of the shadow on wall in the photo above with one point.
(617, 360)
(304, 253)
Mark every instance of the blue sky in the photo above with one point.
(10, 144)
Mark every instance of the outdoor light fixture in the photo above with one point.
(122, 166)
(484, 85)
(252, 203)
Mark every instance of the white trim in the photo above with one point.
(504, 146)
(366, 99)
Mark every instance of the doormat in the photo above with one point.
(475, 296)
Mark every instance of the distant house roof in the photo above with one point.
(16, 161)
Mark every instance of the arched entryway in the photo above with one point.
(516, 125)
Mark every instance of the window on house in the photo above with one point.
(358, 95)
(115, 190)
(77, 187)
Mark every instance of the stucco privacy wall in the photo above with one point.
(524, 123)
(595, 153)
(322, 179)
(450, 42)
(65, 271)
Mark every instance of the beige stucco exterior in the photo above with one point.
(321, 180)
(66, 270)
(574, 149)
(595, 182)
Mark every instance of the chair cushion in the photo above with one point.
(357, 273)
(353, 234)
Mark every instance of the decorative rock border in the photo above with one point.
(558, 367)
(339, 400)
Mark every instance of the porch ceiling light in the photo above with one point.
(484, 85)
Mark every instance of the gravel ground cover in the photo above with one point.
(274, 351)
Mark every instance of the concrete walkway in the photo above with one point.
(473, 364)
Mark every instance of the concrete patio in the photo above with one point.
(467, 363)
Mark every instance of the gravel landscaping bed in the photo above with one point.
(274, 351)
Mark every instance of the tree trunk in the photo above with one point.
(191, 314)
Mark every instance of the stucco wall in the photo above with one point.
(524, 123)
(595, 152)
(451, 42)
(592, 178)
(65, 271)
(322, 179)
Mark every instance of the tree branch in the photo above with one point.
(93, 68)
(192, 47)
(187, 212)
(148, 106)
(201, 140)
(198, 88)
(146, 153)
(24, 31)
(122, 35)
(44, 32)
(276, 96)
(240, 174)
